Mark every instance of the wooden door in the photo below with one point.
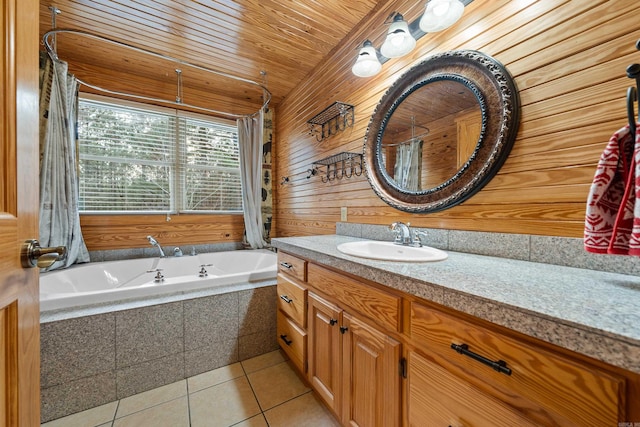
(370, 376)
(436, 397)
(324, 349)
(19, 300)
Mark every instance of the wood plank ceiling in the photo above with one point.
(287, 39)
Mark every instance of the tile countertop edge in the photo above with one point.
(618, 349)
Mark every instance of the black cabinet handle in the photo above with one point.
(332, 322)
(343, 329)
(286, 341)
(286, 299)
(500, 365)
(286, 265)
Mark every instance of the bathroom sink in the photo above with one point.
(389, 251)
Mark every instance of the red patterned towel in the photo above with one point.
(611, 209)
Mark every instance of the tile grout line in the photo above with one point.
(255, 396)
(188, 400)
(184, 359)
(115, 365)
(115, 413)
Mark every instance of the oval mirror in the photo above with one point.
(441, 131)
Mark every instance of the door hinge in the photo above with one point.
(403, 367)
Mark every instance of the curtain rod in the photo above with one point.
(54, 55)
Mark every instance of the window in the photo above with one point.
(145, 159)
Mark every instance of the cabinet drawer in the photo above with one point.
(292, 300)
(546, 387)
(293, 341)
(378, 305)
(292, 265)
(439, 398)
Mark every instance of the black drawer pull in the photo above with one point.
(286, 341)
(286, 265)
(286, 299)
(500, 365)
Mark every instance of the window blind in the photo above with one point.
(136, 160)
(211, 167)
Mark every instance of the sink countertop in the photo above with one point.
(590, 312)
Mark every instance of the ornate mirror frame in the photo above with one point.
(500, 107)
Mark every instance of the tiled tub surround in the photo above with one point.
(100, 354)
(150, 251)
(590, 312)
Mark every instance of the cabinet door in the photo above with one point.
(324, 349)
(371, 376)
(437, 397)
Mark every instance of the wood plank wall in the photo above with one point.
(568, 59)
(107, 232)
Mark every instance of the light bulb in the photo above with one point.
(440, 14)
(367, 64)
(399, 40)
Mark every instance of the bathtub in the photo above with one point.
(112, 281)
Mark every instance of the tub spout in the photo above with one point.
(154, 242)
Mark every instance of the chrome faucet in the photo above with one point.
(154, 242)
(402, 233)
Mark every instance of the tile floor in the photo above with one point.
(259, 392)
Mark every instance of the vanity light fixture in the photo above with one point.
(399, 40)
(402, 36)
(440, 14)
(367, 64)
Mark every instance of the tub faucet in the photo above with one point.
(154, 242)
(402, 233)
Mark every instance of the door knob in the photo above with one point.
(32, 255)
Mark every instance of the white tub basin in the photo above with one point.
(389, 251)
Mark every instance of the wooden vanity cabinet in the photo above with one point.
(353, 364)
(292, 308)
(349, 336)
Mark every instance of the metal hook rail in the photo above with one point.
(633, 72)
(340, 166)
(335, 118)
(53, 54)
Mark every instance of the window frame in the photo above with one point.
(178, 179)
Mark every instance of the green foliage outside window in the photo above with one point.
(132, 160)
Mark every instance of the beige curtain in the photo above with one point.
(59, 215)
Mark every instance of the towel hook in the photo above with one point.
(633, 72)
(632, 96)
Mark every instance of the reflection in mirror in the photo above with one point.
(441, 131)
(431, 134)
